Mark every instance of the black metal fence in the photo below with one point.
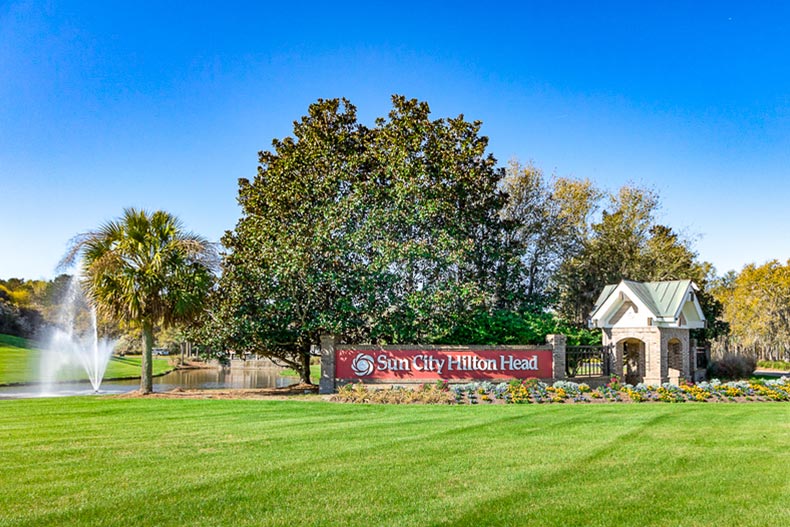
(587, 361)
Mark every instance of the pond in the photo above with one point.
(203, 379)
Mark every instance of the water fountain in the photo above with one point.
(74, 345)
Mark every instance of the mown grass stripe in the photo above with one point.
(91, 461)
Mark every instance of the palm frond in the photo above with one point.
(144, 266)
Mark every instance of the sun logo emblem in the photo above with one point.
(362, 365)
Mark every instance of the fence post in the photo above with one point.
(692, 360)
(327, 383)
(608, 360)
(557, 342)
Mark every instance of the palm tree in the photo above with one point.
(145, 270)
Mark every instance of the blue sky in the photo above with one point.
(108, 106)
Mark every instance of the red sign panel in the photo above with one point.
(404, 365)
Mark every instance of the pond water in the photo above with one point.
(209, 379)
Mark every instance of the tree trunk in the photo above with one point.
(305, 373)
(146, 376)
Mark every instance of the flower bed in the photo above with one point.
(533, 391)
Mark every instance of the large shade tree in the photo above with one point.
(550, 221)
(389, 234)
(145, 270)
(628, 243)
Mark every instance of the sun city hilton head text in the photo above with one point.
(455, 363)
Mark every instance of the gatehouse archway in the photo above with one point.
(631, 360)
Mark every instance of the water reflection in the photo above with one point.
(226, 378)
(208, 379)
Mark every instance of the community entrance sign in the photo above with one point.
(341, 364)
(449, 364)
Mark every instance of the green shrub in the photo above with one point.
(732, 366)
(506, 327)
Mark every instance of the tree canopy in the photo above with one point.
(626, 243)
(548, 222)
(388, 234)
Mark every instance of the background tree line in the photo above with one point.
(29, 307)
(756, 307)
(26, 306)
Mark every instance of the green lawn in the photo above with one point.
(315, 373)
(100, 461)
(19, 364)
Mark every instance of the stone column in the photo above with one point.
(656, 369)
(613, 356)
(327, 383)
(692, 360)
(557, 342)
(685, 357)
(617, 341)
